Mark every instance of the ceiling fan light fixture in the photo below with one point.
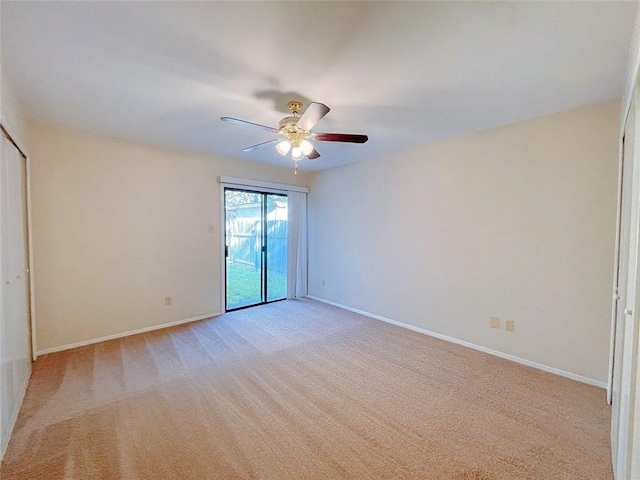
(283, 147)
(296, 153)
(306, 147)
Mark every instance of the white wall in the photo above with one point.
(516, 222)
(118, 226)
(633, 63)
(11, 114)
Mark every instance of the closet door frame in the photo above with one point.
(7, 130)
(623, 376)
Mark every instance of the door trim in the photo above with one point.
(615, 296)
(262, 186)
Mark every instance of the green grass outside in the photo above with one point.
(243, 285)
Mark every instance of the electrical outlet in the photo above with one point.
(323, 283)
(495, 322)
(509, 326)
(211, 228)
(167, 301)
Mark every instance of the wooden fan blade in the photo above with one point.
(249, 124)
(313, 155)
(260, 145)
(312, 115)
(341, 137)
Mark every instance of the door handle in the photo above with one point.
(628, 311)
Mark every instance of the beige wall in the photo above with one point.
(516, 222)
(117, 226)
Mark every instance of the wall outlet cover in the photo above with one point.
(495, 322)
(509, 326)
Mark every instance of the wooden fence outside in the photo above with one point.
(245, 247)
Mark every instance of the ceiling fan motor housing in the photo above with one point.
(288, 128)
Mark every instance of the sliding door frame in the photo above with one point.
(223, 241)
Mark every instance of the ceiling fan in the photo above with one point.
(295, 135)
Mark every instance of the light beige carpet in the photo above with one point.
(301, 390)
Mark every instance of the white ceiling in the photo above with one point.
(403, 73)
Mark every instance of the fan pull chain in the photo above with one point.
(295, 170)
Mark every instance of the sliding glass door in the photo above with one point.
(255, 247)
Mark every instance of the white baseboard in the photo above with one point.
(513, 358)
(126, 334)
(14, 416)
